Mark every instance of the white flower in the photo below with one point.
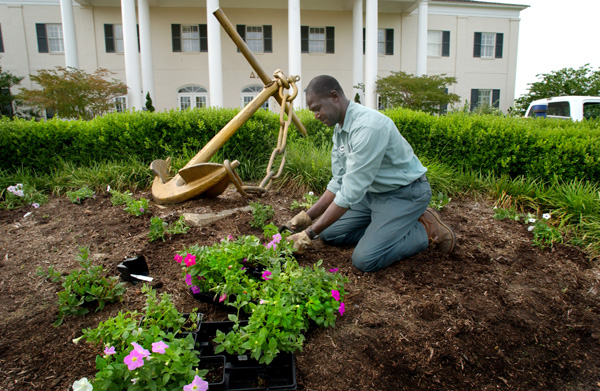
(12, 189)
(531, 220)
(19, 185)
(546, 216)
(531, 228)
(310, 193)
(19, 193)
(134, 381)
(137, 332)
(82, 384)
(495, 207)
(27, 214)
(76, 341)
(108, 188)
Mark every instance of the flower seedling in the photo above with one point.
(159, 228)
(309, 200)
(20, 195)
(261, 214)
(78, 196)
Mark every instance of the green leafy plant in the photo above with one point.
(265, 281)
(159, 228)
(261, 214)
(119, 198)
(544, 235)
(87, 288)
(438, 202)
(145, 351)
(49, 274)
(309, 200)
(138, 207)
(19, 195)
(510, 214)
(77, 196)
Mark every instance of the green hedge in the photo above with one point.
(538, 148)
(147, 136)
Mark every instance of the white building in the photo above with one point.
(177, 50)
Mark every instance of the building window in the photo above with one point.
(192, 96)
(258, 38)
(113, 38)
(485, 98)
(488, 45)
(438, 43)
(1, 41)
(50, 38)
(385, 41)
(189, 38)
(317, 39)
(249, 93)
(120, 104)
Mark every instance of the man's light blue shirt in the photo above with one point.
(369, 155)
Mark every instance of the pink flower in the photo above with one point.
(271, 245)
(138, 348)
(188, 279)
(134, 360)
(141, 209)
(230, 237)
(159, 347)
(35, 205)
(190, 260)
(335, 294)
(266, 275)
(197, 385)
(195, 289)
(222, 297)
(245, 260)
(261, 301)
(333, 270)
(342, 309)
(276, 238)
(178, 258)
(109, 350)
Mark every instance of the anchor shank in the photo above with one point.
(233, 125)
(239, 42)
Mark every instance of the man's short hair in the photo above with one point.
(322, 86)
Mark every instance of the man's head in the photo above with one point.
(325, 98)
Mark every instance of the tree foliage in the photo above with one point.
(425, 93)
(7, 80)
(73, 93)
(566, 81)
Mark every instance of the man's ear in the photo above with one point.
(334, 95)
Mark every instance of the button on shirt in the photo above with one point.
(369, 155)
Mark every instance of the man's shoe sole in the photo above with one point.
(437, 217)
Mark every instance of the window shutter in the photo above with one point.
(137, 29)
(389, 42)
(304, 39)
(203, 33)
(1, 42)
(499, 43)
(477, 45)
(329, 39)
(445, 43)
(42, 39)
(444, 107)
(268, 38)
(176, 36)
(109, 38)
(496, 98)
(364, 40)
(241, 30)
(474, 99)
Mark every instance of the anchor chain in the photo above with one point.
(286, 97)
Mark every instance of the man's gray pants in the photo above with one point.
(383, 226)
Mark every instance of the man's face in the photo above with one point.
(325, 108)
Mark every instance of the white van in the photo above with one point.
(576, 108)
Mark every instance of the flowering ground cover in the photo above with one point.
(498, 313)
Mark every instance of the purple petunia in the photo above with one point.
(267, 275)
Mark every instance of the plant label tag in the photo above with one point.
(243, 358)
(143, 278)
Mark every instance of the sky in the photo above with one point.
(555, 34)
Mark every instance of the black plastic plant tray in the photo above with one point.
(216, 371)
(209, 297)
(184, 334)
(243, 373)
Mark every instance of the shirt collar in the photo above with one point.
(348, 118)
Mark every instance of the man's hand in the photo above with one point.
(300, 222)
(301, 241)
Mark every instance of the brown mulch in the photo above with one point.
(498, 313)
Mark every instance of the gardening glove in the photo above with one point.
(300, 222)
(301, 241)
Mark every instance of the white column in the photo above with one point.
(215, 63)
(132, 58)
(146, 51)
(371, 55)
(294, 48)
(357, 50)
(69, 37)
(422, 39)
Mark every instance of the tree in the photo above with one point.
(424, 93)
(566, 81)
(7, 80)
(73, 93)
(149, 106)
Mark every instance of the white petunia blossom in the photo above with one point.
(531, 228)
(310, 193)
(531, 220)
(108, 189)
(82, 384)
(546, 216)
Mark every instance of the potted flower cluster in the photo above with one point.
(146, 351)
(281, 301)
